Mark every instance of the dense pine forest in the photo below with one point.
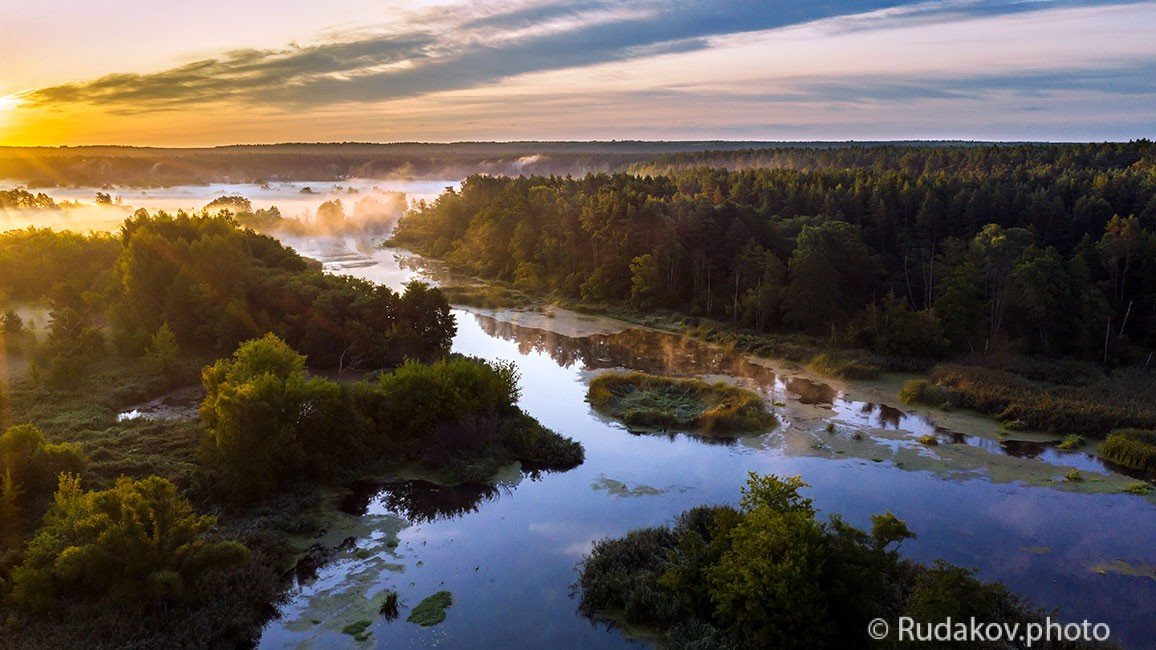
(917, 251)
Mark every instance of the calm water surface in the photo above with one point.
(508, 552)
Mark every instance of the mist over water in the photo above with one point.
(295, 200)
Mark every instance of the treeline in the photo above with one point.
(917, 158)
(1049, 254)
(153, 167)
(768, 574)
(212, 284)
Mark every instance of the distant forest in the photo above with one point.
(922, 251)
(40, 167)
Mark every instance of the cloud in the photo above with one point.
(675, 69)
(449, 48)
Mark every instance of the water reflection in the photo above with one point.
(420, 501)
(811, 392)
(881, 416)
(670, 354)
(643, 350)
(509, 557)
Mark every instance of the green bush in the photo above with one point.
(771, 575)
(29, 471)
(269, 425)
(138, 543)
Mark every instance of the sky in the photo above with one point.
(217, 72)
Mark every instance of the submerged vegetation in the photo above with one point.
(769, 574)
(432, 609)
(639, 399)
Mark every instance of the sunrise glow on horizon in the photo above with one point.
(212, 73)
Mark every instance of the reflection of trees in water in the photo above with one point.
(673, 436)
(428, 270)
(636, 349)
(881, 415)
(811, 392)
(421, 501)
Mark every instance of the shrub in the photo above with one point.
(771, 575)
(266, 422)
(138, 543)
(268, 425)
(29, 467)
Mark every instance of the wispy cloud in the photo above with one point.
(659, 68)
(462, 46)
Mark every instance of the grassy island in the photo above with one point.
(645, 400)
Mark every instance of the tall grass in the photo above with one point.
(834, 365)
(1133, 448)
(1090, 405)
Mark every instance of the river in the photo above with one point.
(509, 552)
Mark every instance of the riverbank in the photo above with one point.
(974, 443)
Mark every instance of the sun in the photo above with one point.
(8, 104)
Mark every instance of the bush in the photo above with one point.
(1132, 448)
(269, 425)
(771, 575)
(138, 543)
(29, 467)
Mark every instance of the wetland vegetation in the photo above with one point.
(994, 272)
(105, 529)
(642, 400)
